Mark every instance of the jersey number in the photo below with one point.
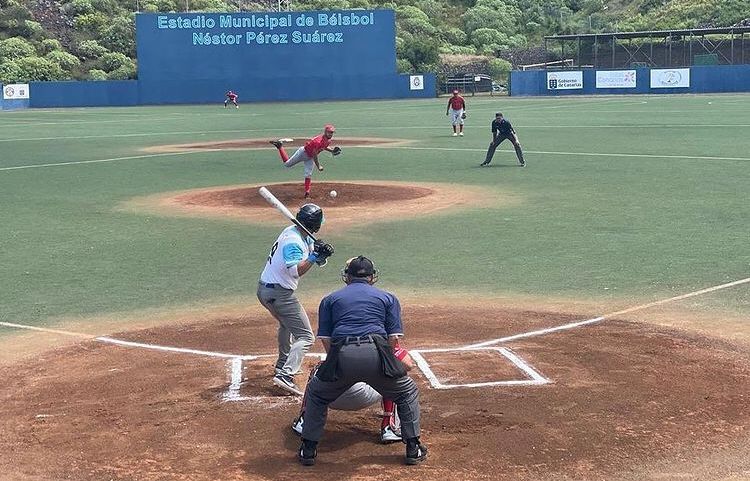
(273, 251)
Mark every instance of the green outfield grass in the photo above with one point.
(636, 198)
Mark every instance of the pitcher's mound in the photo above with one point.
(355, 203)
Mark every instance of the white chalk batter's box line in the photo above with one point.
(534, 377)
(236, 365)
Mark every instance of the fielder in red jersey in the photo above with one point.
(231, 97)
(456, 109)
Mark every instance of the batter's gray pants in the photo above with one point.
(295, 334)
(361, 363)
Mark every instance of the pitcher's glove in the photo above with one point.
(463, 115)
(336, 150)
(322, 251)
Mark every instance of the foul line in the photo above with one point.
(594, 320)
(44, 329)
(183, 350)
(100, 161)
(590, 154)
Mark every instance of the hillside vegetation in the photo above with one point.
(95, 39)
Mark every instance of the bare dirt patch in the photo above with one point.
(252, 144)
(385, 201)
(626, 398)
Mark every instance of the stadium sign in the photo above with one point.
(615, 79)
(564, 80)
(670, 78)
(416, 82)
(16, 91)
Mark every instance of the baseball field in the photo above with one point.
(584, 317)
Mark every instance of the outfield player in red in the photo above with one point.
(308, 153)
(231, 97)
(456, 108)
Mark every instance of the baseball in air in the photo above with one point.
(333, 194)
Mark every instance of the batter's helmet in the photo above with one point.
(359, 267)
(310, 216)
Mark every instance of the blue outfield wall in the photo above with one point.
(703, 79)
(193, 58)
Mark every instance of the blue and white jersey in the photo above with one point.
(289, 250)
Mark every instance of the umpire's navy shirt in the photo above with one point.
(359, 309)
(502, 126)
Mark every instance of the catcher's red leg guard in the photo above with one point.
(388, 414)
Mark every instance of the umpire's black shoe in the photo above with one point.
(416, 452)
(522, 163)
(307, 452)
(484, 163)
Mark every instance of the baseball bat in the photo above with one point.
(271, 199)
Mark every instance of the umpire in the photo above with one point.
(501, 130)
(359, 326)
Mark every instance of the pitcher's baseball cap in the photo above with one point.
(329, 128)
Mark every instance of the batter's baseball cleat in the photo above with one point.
(389, 435)
(307, 452)
(299, 422)
(287, 384)
(416, 452)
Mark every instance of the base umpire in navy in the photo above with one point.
(359, 326)
(502, 130)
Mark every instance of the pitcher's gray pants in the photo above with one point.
(295, 334)
(361, 363)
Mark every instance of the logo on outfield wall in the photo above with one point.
(16, 91)
(670, 78)
(615, 79)
(564, 80)
(416, 82)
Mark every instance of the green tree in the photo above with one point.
(123, 73)
(404, 66)
(37, 68)
(455, 36)
(78, 7)
(492, 14)
(423, 53)
(91, 23)
(488, 40)
(9, 72)
(15, 48)
(91, 49)
(96, 74)
(50, 45)
(119, 36)
(499, 68)
(63, 59)
(114, 60)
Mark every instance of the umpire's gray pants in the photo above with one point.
(295, 334)
(361, 362)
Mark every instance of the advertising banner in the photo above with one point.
(670, 78)
(416, 82)
(16, 91)
(615, 79)
(564, 80)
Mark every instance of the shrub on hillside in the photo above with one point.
(37, 68)
(499, 68)
(15, 48)
(50, 45)
(63, 59)
(96, 74)
(123, 73)
(91, 49)
(91, 23)
(404, 66)
(78, 7)
(119, 36)
(9, 72)
(113, 60)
